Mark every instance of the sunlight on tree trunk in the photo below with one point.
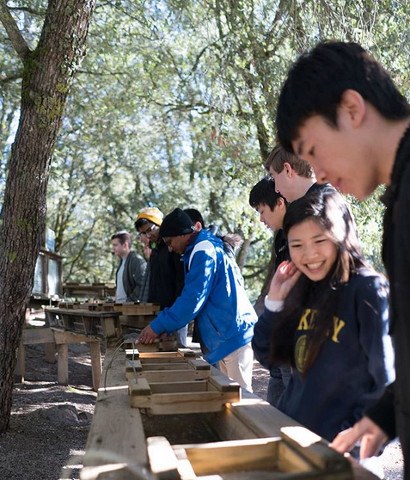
(48, 72)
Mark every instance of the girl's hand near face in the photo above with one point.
(283, 281)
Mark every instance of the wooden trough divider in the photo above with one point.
(286, 457)
(181, 365)
(117, 429)
(192, 369)
(166, 398)
(176, 382)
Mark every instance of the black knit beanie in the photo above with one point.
(176, 223)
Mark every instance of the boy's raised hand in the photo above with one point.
(283, 280)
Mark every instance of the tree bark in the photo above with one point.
(47, 76)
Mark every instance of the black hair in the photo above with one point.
(328, 208)
(317, 80)
(140, 223)
(195, 215)
(264, 192)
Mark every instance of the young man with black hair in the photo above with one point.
(271, 207)
(214, 294)
(340, 110)
(129, 277)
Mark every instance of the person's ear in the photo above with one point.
(352, 107)
(288, 169)
(280, 202)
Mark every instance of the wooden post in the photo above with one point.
(21, 364)
(95, 353)
(62, 350)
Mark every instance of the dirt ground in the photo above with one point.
(49, 423)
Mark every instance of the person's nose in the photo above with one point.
(320, 173)
(310, 252)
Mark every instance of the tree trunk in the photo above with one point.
(48, 71)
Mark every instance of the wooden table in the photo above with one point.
(58, 340)
(117, 444)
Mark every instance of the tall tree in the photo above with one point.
(48, 70)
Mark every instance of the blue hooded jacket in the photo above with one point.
(213, 294)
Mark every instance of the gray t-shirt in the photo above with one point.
(120, 295)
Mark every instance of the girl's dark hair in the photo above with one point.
(328, 208)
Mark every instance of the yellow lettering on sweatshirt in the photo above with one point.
(338, 324)
(306, 321)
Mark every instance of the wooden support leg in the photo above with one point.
(21, 364)
(95, 353)
(50, 352)
(62, 350)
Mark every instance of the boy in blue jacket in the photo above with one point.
(214, 294)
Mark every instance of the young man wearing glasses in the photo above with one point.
(164, 279)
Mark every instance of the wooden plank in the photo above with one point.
(140, 387)
(75, 312)
(191, 402)
(162, 459)
(199, 364)
(259, 416)
(289, 460)
(65, 337)
(224, 384)
(38, 335)
(178, 397)
(116, 441)
(186, 352)
(315, 448)
(132, 367)
(236, 455)
(161, 356)
(163, 376)
(132, 353)
(167, 372)
(146, 366)
(179, 387)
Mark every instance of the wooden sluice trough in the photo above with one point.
(103, 324)
(246, 439)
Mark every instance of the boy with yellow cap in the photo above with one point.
(164, 278)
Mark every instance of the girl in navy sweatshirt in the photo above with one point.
(326, 314)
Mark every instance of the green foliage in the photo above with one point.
(174, 106)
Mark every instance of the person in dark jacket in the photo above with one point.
(130, 273)
(340, 110)
(271, 207)
(214, 294)
(326, 315)
(165, 274)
